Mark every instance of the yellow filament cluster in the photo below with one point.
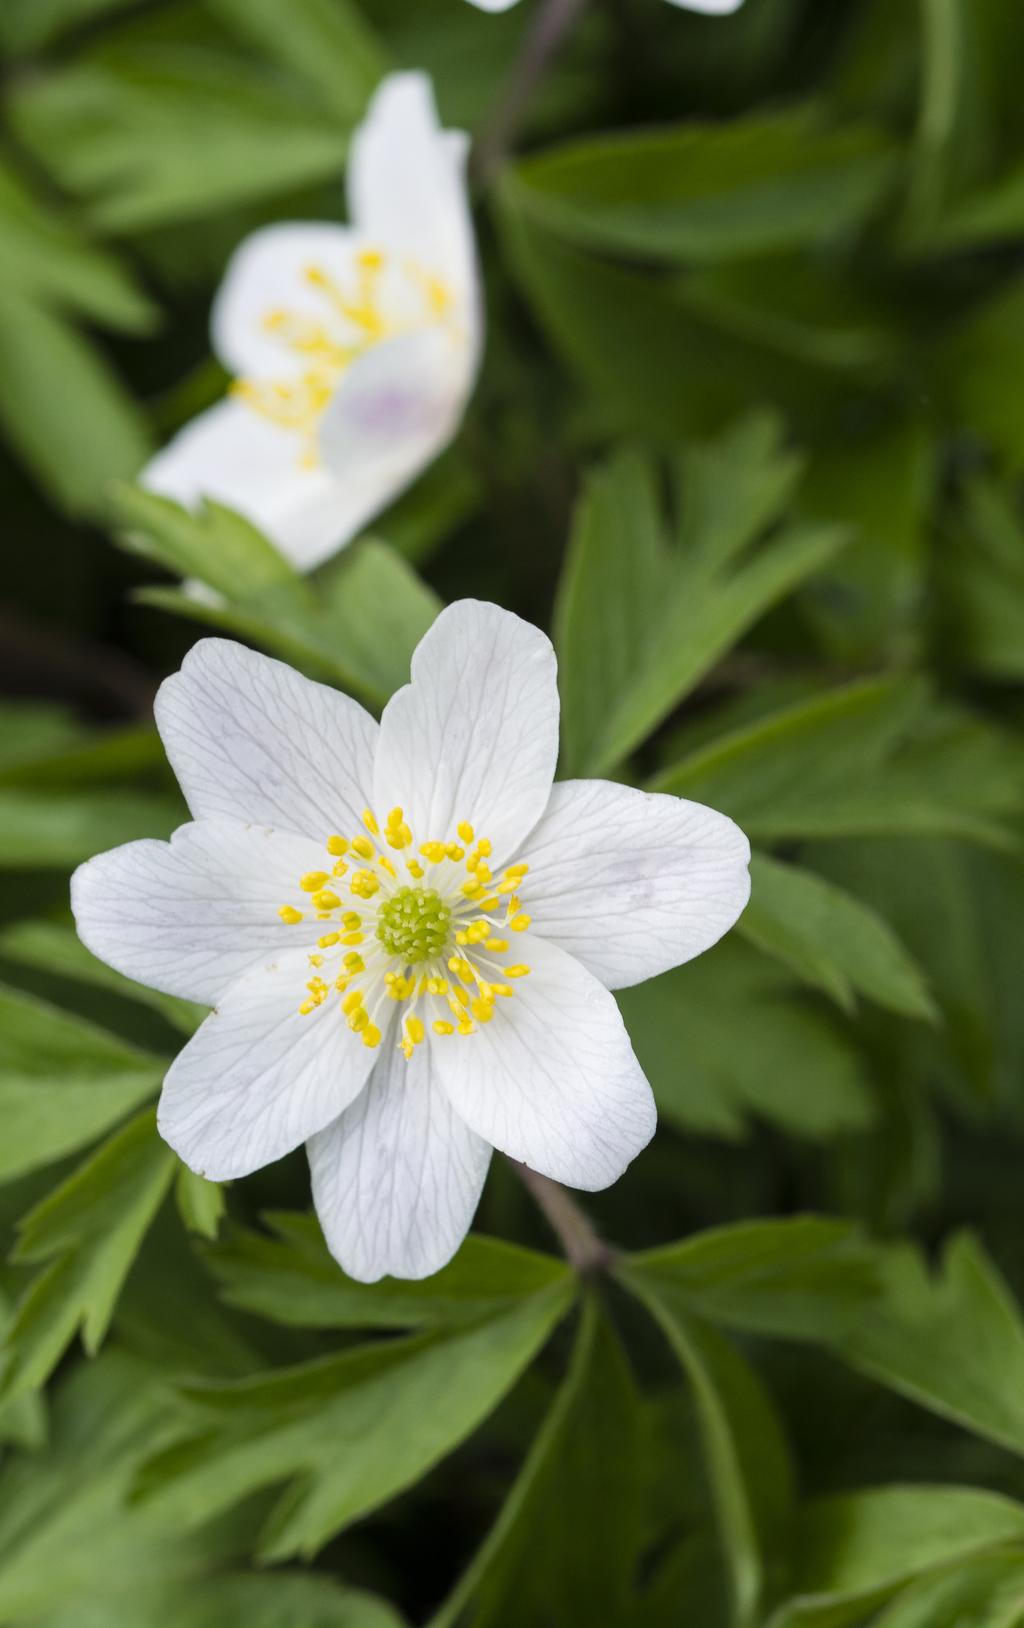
(467, 908)
(354, 321)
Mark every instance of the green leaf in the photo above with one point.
(638, 626)
(48, 947)
(40, 830)
(706, 193)
(985, 1593)
(976, 368)
(565, 1542)
(67, 1533)
(854, 1550)
(213, 543)
(348, 1432)
(982, 580)
(63, 1082)
(99, 434)
(703, 1032)
(804, 1278)
(45, 261)
(206, 132)
(831, 940)
(327, 44)
(245, 1600)
(952, 775)
(201, 1203)
(289, 1276)
(747, 1457)
(25, 25)
(953, 1343)
(358, 628)
(85, 1235)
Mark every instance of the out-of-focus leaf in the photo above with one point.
(236, 1600)
(953, 1343)
(201, 1203)
(327, 43)
(289, 1276)
(831, 940)
(84, 1236)
(976, 369)
(25, 25)
(23, 1421)
(347, 1432)
(985, 1593)
(63, 1082)
(804, 1278)
(874, 773)
(677, 355)
(709, 193)
(45, 747)
(49, 947)
(868, 605)
(728, 1037)
(358, 628)
(96, 434)
(638, 624)
(165, 132)
(854, 1550)
(982, 578)
(40, 829)
(44, 260)
(565, 1542)
(747, 1457)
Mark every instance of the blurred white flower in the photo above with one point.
(408, 933)
(354, 349)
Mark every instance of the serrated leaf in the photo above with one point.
(327, 43)
(204, 130)
(289, 1276)
(703, 1034)
(201, 1203)
(854, 1550)
(63, 1082)
(347, 1432)
(803, 1278)
(953, 1343)
(85, 1236)
(831, 940)
(638, 624)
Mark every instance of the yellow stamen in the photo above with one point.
(313, 881)
(289, 914)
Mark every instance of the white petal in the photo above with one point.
(396, 408)
(233, 455)
(267, 273)
(552, 1079)
(475, 735)
(632, 883)
(492, 5)
(190, 915)
(712, 8)
(259, 1077)
(397, 1178)
(407, 185)
(251, 739)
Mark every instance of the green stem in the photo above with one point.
(551, 24)
(582, 1245)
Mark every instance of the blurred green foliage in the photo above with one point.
(749, 440)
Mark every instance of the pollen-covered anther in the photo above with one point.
(289, 914)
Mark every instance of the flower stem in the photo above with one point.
(552, 21)
(583, 1247)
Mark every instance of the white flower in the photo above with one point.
(354, 349)
(711, 8)
(407, 931)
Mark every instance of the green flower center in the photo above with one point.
(414, 924)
